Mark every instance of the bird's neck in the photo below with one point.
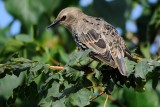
(72, 27)
(75, 24)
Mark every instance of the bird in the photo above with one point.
(96, 34)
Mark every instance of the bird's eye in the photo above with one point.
(63, 18)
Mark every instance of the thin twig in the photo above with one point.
(137, 57)
(1, 64)
(105, 103)
(98, 95)
(93, 86)
(56, 67)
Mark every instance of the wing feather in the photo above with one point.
(108, 50)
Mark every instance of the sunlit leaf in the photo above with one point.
(141, 69)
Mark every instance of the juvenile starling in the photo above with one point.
(95, 34)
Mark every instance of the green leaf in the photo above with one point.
(10, 47)
(71, 73)
(35, 71)
(54, 90)
(21, 60)
(154, 63)
(28, 10)
(130, 66)
(8, 83)
(24, 38)
(52, 93)
(141, 69)
(148, 98)
(27, 93)
(59, 103)
(69, 89)
(38, 66)
(44, 103)
(98, 74)
(79, 58)
(81, 98)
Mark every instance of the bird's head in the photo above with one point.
(67, 17)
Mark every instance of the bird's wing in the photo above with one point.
(106, 48)
(118, 47)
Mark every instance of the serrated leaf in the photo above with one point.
(8, 83)
(34, 70)
(70, 88)
(141, 69)
(59, 103)
(154, 63)
(72, 74)
(79, 58)
(44, 103)
(37, 67)
(52, 93)
(54, 90)
(27, 93)
(46, 69)
(81, 98)
(130, 65)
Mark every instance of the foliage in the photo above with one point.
(26, 74)
(77, 83)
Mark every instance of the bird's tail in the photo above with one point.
(121, 65)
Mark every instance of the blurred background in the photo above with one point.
(23, 29)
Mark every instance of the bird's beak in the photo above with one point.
(53, 24)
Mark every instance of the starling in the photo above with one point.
(96, 34)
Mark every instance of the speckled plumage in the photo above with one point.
(96, 34)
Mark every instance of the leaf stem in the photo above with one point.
(105, 103)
